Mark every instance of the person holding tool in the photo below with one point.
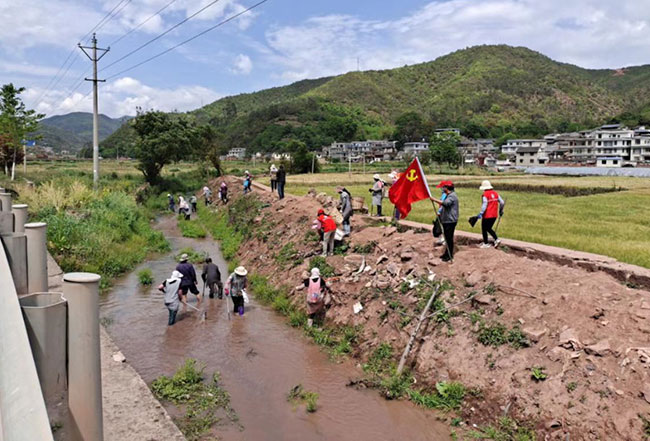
(448, 217)
(491, 209)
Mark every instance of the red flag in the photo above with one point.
(411, 187)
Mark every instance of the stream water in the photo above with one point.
(260, 359)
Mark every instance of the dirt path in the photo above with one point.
(585, 331)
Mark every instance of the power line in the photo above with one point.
(232, 17)
(143, 23)
(113, 15)
(106, 18)
(162, 35)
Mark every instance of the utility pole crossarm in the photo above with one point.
(94, 58)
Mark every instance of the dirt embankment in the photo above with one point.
(583, 335)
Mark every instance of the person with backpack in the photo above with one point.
(491, 208)
(212, 278)
(171, 288)
(345, 207)
(317, 296)
(188, 282)
(281, 181)
(328, 227)
(248, 182)
(235, 288)
(377, 191)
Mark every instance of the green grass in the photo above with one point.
(203, 401)
(145, 276)
(506, 429)
(191, 228)
(193, 256)
(612, 224)
(298, 394)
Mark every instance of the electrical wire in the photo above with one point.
(113, 15)
(161, 35)
(232, 17)
(143, 23)
(106, 18)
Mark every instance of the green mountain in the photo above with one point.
(73, 131)
(484, 90)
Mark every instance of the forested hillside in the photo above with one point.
(74, 130)
(486, 91)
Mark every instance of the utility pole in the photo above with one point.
(94, 79)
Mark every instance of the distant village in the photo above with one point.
(611, 145)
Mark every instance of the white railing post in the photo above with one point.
(20, 217)
(81, 290)
(36, 233)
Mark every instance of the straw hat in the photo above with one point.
(315, 273)
(376, 176)
(485, 185)
(241, 271)
(184, 257)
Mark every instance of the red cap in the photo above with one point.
(321, 211)
(445, 184)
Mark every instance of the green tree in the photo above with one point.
(504, 138)
(15, 123)
(409, 127)
(162, 139)
(209, 146)
(301, 159)
(444, 148)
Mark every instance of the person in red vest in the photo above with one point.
(328, 227)
(491, 209)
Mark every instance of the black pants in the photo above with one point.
(274, 184)
(215, 288)
(448, 229)
(172, 316)
(280, 189)
(486, 227)
(193, 207)
(378, 210)
(237, 301)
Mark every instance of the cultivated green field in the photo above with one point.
(615, 224)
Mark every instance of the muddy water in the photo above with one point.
(260, 358)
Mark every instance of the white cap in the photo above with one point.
(176, 275)
(485, 185)
(315, 272)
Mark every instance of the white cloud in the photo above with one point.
(242, 64)
(590, 33)
(122, 96)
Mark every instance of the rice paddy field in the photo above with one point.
(610, 216)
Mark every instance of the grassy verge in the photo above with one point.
(191, 228)
(102, 232)
(204, 403)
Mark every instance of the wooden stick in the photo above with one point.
(423, 316)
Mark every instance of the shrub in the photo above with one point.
(145, 276)
(326, 270)
(191, 229)
(447, 396)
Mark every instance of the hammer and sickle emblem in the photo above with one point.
(412, 176)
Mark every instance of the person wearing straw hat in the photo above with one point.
(235, 287)
(448, 217)
(188, 282)
(491, 209)
(171, 288)
(377, 191)
(316, 299)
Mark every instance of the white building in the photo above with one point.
(236, 153)
(413, 149)
(609, 161)
(526, 156)
(510, 147)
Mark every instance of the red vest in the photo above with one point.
(492, 209)
(327, 223)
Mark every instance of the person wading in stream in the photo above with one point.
(171, 288)
(317, 296)
(448, 217)
(491, 209)
(212, 278)
(235, 287)
(345, 207)
(188, 283)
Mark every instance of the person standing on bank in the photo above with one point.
(170, 288)
(171, 202)
(448, 217)
(212, 278)
(328, 227)
(188, 282)
(235, 287)
(274, 177)
(345, 207)
(281, 180)
(491, 209)
(377, 191)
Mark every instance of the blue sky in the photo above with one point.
(283, 41)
